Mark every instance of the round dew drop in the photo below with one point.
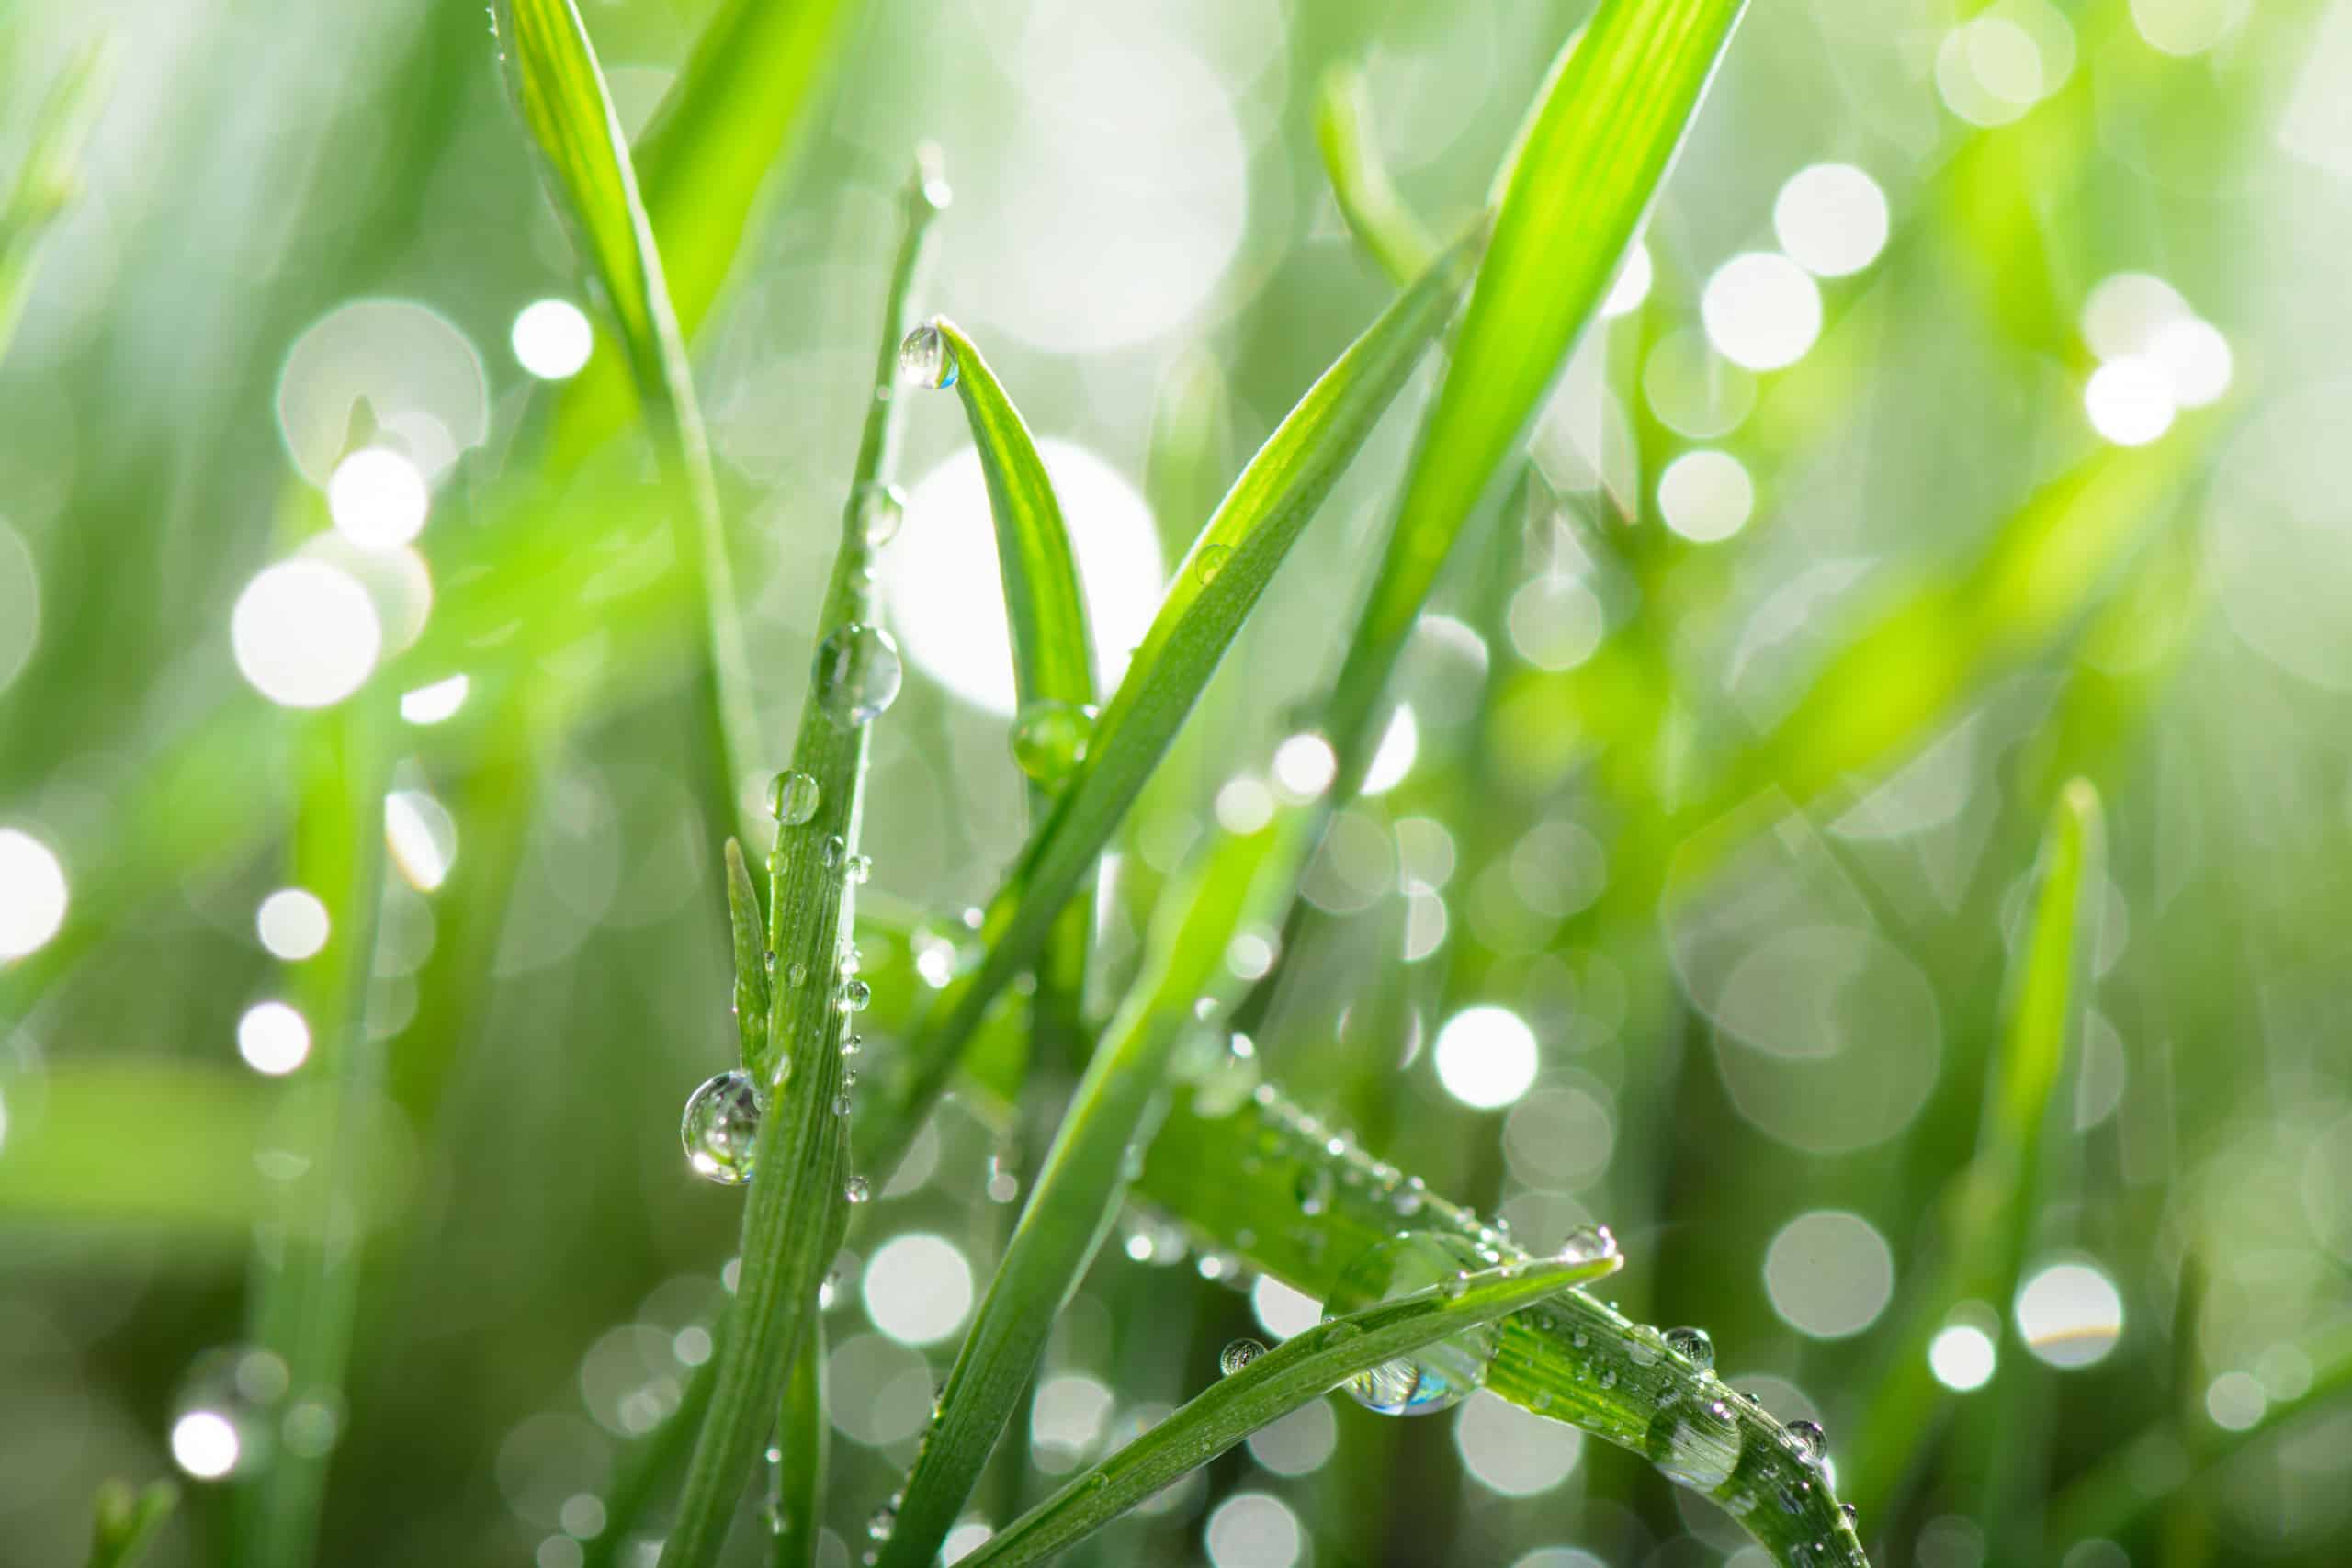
(927, 359)
(1588, 1244)
(721, 1127)
(1811, 1442)
(1049, 740)
(857, 673)
(1437, 1376)
(1238, 1355)
(858, 1190)
(855, 995)
(880, 509)
(792, 797)
(1693, 1345)
(1209, 562)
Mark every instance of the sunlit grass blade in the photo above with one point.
(795, 1212)
(1051, 657)
(47, 179)
(803, 1435)
(564, 102)
(1991, 1206)
(1238, 881)
(1214, 591)
(752, 992)
(1302, 1369)
(1595, 154)
(748, 97)
(127, 1521)
(1387, 229)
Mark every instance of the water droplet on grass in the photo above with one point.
(1693, 1345)
(792, 797)
(1049, 740)
(880, 509)
(927, 359)
(855, 995)
(1436, 1376)
(721, 1127)
(1695, 1443)
(857, 673)
(1811, 1442)
(857, 1189)
(1209, 562)
(1238, 1355)
(1588, 1244)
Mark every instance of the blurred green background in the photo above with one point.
(1982, 368)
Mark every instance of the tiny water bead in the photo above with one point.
(855, 995)
(1238, 1355)
(1695, 1442)
(1209, 562)
(792, 797)
(880, 509)
(721, 1127)
(857, 673)
(1437, 1376)
(858, 868)
(858, 1190)
(927, 359)
(1693, 1345)
(1049, 740)
(1810, 1441)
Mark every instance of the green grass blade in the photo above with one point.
(748, 98)
(1240, 880)
(750, 932)
(127, 1521)
(1302, 1369)
(47, 181)
(1598, 149)
(793, 1219)
(1213, 592)
(1390, 232)
(1052, 660)
(803, 1436)
(1992, 1204)
(564, 102)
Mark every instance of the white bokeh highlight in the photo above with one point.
(1486, 1057)
(552, 339)
(305, 634)
(1762, 311)
(33, 894)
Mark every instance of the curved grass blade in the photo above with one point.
(1303, 1368)
(752, 996)
(1051, 657)
(1596, 150)
(1213, 592)
(794, 1217)
(1240, 880)
(563, 100)
(1991, 1206)
(46, 182)
(1390, 232)
(127, 1521)
(742, 106)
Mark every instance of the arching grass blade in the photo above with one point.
(1390, 232)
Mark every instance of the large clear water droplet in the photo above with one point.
(1436, 1376)
(1049, 740)
(1693, 1345)
(1238, 1355)
(1810, 1441)
(1695, 1442)
(857, 673)
(855, 995)
(880, 509)
(927, 359)
(721, 1127)
(792, 797)
(1588, 1244)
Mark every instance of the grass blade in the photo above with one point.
(1241, 880)
(1213, 592)
(47, 183)
(128, 1521)
(1052, 660)
(1388, 229)
(803, 1437)
(1301, 1368)
(746, 100)
(793, 1219)
(1596, 152)
(563, 100)
(751, 994)
(1990, 1206)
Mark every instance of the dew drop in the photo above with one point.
(1437, 1375)
(857, 1189)
(857, 868)
(1811, 1442)
(1695, 1443)
(792, 797)
(720, 1128)
(1238, 1355)
(798, 974)
(1645, 1344)
(857, 673)
(855, 995)
(1849, 1513)
(1588, 1244)
(834, 849)
(1209, 562)
(1693, 1345)
(880, 509)
(1410, 1198)
(927, 359)
(1049, 740)
(885, 1520)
